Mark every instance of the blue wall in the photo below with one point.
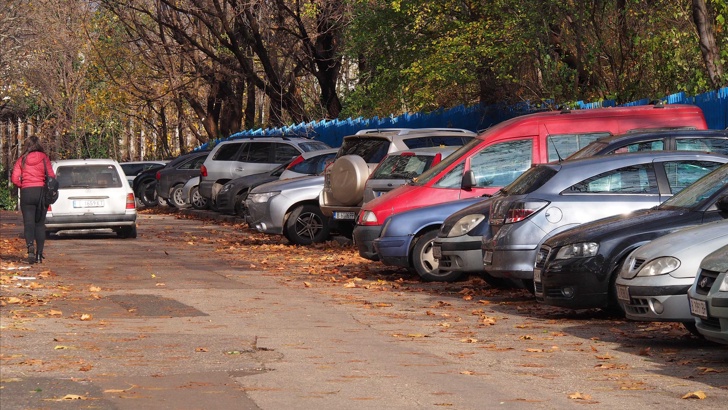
(474, 118)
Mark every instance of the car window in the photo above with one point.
(402, 166)
(500, 164)
(680, 174)
(256, 152)
(284, 153)
(434, 141)
(314, 165)
(132, 169)
(700, 190)
(194, 163)
(372, 150)
(88, 176)
(312, 146)
(530, 180)
(561, 146)
(446, 162)
(452, 179)
(654, 145)
(635, 179)
(716, 145)
(227, 152)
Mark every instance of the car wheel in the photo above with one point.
(240, 208)
(693, 329)
(425, 263)
(306, 225)
(127, 232)
(175, 196)
(198, 201)
(613, 306)
(147, 193)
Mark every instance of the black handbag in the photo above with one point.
(50, 190)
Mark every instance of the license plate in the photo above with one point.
(377, 194)
(88, 203)
(537, 275)
(436, 252)
(344, 215)
(699, 308)
(623, 293)
(487, 257)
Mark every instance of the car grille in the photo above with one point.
(446, 262)
(705, 281)
(637, 264)
(711, 322)
(638, 306)
(538, 287)
(554, 293)
(542, 256)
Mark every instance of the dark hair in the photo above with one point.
(32, 143)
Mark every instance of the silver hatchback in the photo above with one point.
(552, 198)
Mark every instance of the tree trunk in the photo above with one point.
(708, 45)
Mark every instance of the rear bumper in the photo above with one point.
(516, 264)
(336, 211)
(89, 221)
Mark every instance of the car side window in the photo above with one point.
(680, 174)
(195, 163)
(500, 164)
(257, 152)
(561, 146)
(227, 152)
(453, 178)
(284, 153)
(713, 145)
(656, 145)
(636, 179)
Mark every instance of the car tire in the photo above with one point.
(348, 177)
(197, 200)
(425, 263)
(147, 193)
(127, 232)
(306, 225)
(175, 197)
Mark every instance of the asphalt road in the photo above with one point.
(204, 314)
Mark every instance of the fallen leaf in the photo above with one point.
(94, 289)
(201, 349)
(534, 350)
(579, 396)
(86, 317)
(55, 313)
(13, 300)
(695, 395)
(307, 284)
(469, 340)
(350, 285)
(704, 370)
(61, 347)
(468, 372)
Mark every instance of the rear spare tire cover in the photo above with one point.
(348, 176)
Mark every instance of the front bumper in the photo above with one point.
(364, 236)
(225, 202)
(393, 250)
(715, 326)
(510, 263)
(655, 303)
(580, 283)
(259, 218)
(459, 254)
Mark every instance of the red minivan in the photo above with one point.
(501, 153)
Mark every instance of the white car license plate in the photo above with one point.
(487, 257)
(88, 203)
(537, 275)
(699, 308)
(623, 293)
(436, 252)
(344, 215)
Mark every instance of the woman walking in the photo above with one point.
(29, 174)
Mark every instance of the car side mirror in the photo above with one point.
(722, 204)
(468, 181)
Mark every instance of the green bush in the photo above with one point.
(8, 198)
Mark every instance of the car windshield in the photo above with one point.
(530, 180)
(404, 166)
(699, 191)
(452, 158)
(588, 151)
(87, 176)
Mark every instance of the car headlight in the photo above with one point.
(659, 266)
(465, 225)
(578, 250)
(724, 285)
(262, 197)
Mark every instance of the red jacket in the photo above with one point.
(32, 173)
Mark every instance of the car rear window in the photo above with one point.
(404, 166)
(313, 146)
(373, 150)
(435, 141)
(314, 165)
(530, 180)
(88, 176)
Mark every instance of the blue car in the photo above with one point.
(406, 238)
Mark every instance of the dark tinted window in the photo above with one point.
(194, 163)
(314, 165)
(530, 180)
(227, 152)
(88, 176)
(372, 150)
(435, 141)
(284, 153)
(132, 169)
(257, 152)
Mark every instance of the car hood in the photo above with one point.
(310, 181)
(644, 220)
(717, 261)
(250, 180)
(409, 222)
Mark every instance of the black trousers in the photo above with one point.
(33, 227)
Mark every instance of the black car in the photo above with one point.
(231, 198)
(145, 184)
(577, 268)
(710, 141)
(171, 179)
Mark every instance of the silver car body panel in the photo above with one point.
(270, 217)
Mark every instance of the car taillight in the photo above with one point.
(522, 210)
(130, 202)
(437, 159)
(157, 176)
(203, 171)
(295, 162)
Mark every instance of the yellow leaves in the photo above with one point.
(469, 340)
(706, 370)
(306, 284)
(86, 317)
(94, 289)
(53, 312)
(700, 395)
(13, 300)
(579, 396)
(201, 350)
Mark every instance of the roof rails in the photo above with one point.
(405, 131)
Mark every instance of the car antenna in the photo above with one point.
(551, 140)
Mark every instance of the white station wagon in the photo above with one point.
(92, 194)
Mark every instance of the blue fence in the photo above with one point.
(714, 105)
